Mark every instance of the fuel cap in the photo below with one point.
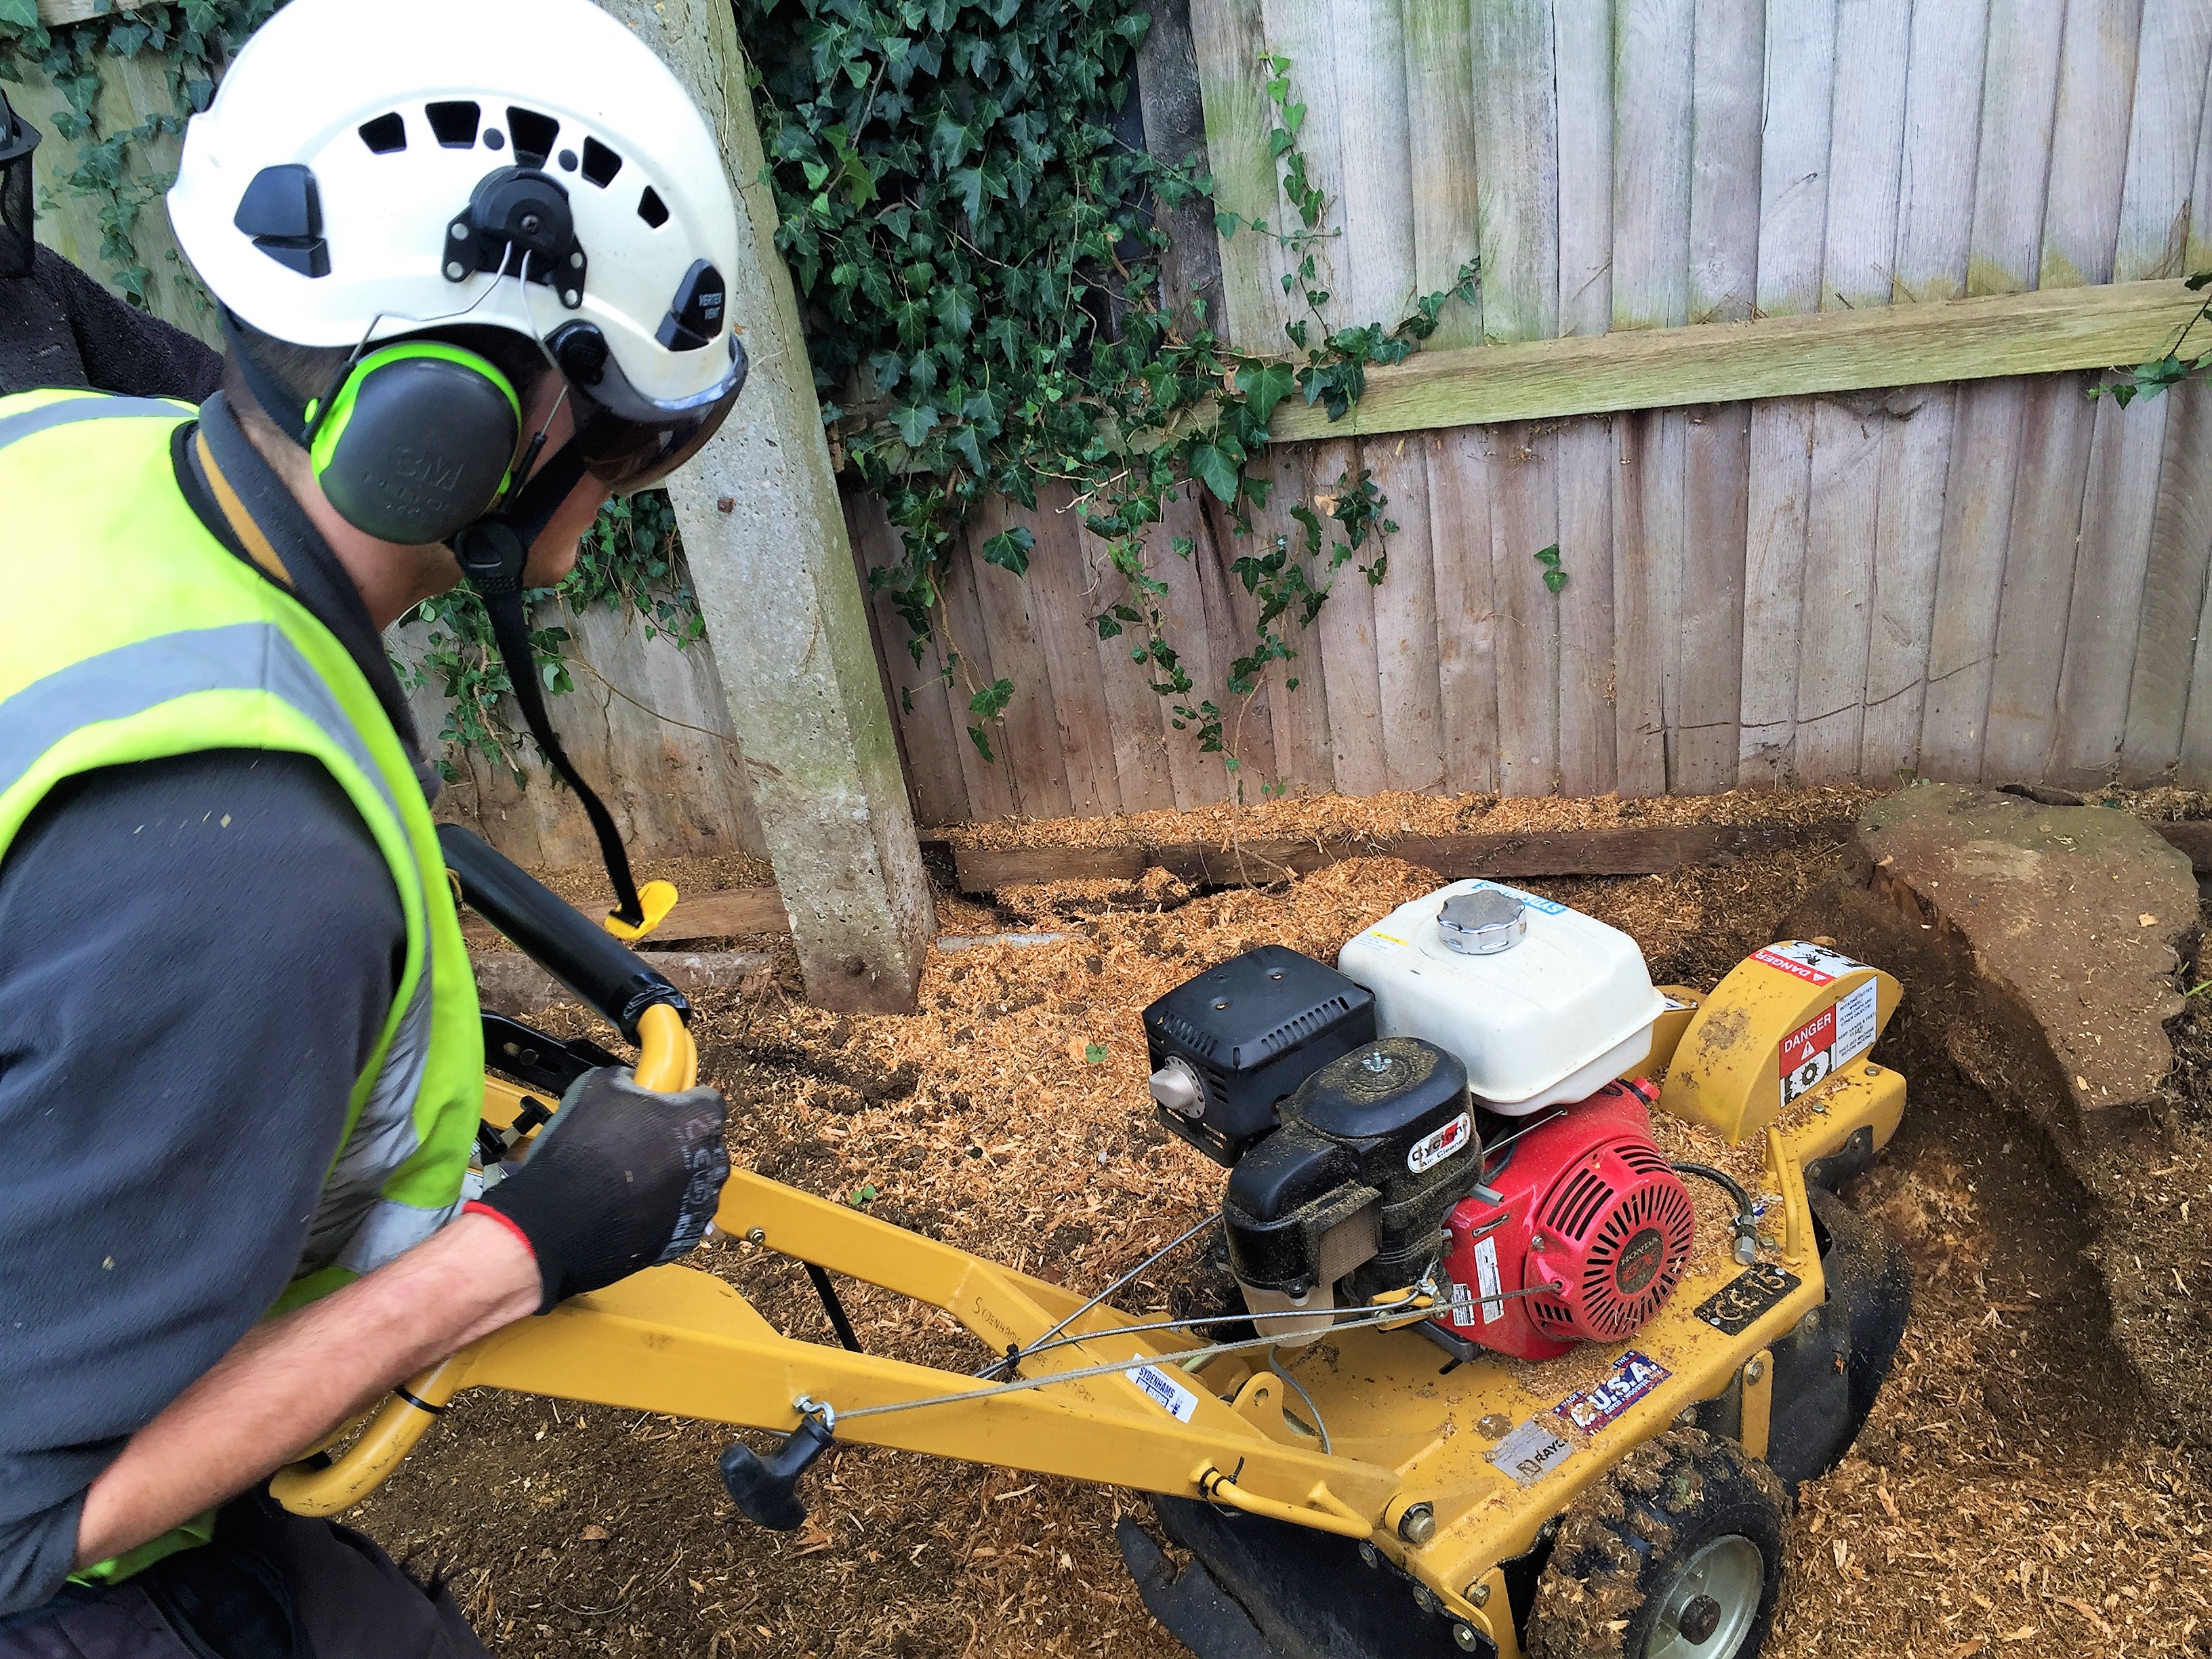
(1483, 922)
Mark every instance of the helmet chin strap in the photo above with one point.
(492, 552)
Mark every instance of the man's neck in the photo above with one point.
(391, 579)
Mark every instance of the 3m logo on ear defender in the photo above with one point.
(428, 471)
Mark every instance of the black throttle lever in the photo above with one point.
(765, 1489)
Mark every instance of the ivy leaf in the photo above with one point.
(991, 701)
(1263, 385)
(1215, 469)
(1010, 550)
(21, 14)
(914, 422)
(976, 735)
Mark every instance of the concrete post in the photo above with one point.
(784, 611)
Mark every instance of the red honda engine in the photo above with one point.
(1590, 1224)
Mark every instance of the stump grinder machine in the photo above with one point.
(1457, 1368)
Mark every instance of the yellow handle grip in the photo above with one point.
(363, 1466)
(667, 1059)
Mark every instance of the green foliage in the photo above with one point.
(2148, 379)
(630, 557)
(192, 39)
(1555, 578)
(975, 255)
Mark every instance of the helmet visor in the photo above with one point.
(630, 441)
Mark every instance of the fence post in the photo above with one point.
(774, 570)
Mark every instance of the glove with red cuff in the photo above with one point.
(621, 1179)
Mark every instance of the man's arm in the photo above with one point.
(289, 1383)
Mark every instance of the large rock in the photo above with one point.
(2042, 949)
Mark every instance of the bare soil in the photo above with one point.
(2007, 1496)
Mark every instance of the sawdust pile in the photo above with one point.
(1998, 1502)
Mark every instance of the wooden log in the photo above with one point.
(1612, 850)
(508, 983)
(725, 914)
(1974, 338)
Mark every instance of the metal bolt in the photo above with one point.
(1417, 1525)
(1464, 1635)
(573, 298)
(576, 259)
(755, 1235)
(531, 224)
(1755, 1371)
(461, 229)
(1810, 1322)
(1820, 1108)
(1686, 1418)
(1422, 1598)
(1369, 1554)
(1874, 1071)
(1378, 1062)
(455, 271)
(1700, 1620)
(1478, 1594)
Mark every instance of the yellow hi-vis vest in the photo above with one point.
(132, 634)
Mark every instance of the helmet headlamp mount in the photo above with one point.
(518, 222)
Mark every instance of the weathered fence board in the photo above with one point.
(1786, 317)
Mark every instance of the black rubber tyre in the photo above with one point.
(1680, 1515)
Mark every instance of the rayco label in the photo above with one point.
(1434, 1148)
(1529, 1453)
(1803, 959)
(1169, 1396)
(1485, 1270)
(1549, 907)
(1842, 1032)
(1633, 1376)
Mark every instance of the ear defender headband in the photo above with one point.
(416, 440)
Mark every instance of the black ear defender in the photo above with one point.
(417, 440)
(412, 443)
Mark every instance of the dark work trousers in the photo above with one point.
(272, 1585)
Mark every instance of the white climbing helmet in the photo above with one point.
(372, 171)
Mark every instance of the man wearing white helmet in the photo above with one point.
(470, 254)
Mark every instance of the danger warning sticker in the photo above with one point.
(1839, 1035)
(1816, 965)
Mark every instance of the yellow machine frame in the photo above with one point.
(681, 1342)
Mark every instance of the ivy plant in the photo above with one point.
(975, 254)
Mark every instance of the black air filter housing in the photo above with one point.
(1388, 1124)
(1227, 1046)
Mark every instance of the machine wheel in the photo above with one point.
(1683, 1543)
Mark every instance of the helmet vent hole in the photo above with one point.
(534, 136)
(385, 134)
(652, 209)
(600, 163)
(454, 124)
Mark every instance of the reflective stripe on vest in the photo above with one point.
(263, 674)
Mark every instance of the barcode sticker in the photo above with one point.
(1169, 1396)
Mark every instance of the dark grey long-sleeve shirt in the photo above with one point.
(196, 958)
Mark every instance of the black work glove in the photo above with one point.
(621, 1179)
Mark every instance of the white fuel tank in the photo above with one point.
(1540, 1003)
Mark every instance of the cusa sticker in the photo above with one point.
(1434, 1148)
(1633, 1376)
